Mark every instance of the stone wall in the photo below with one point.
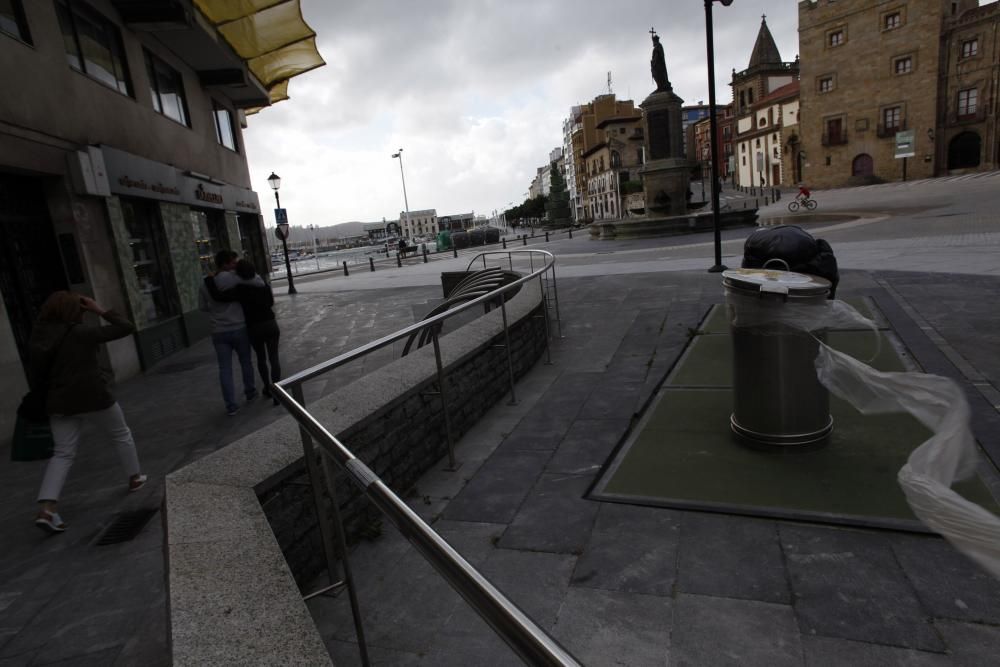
(399, 442)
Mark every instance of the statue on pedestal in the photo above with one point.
(658, 65)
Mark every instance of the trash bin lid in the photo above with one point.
(781, 282)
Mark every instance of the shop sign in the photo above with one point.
(904, 144)
(136, 176)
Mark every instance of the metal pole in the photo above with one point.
(288, 268)
(406, 201)
(371, 264)
(506, 340)
(284, 245)
(312, 230)
(545, 316)
(714, 129)
(444, 399)
(345, 269)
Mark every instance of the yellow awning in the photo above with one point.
(270, 35)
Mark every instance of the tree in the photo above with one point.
(557, 207)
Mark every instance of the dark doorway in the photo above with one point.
(964, 151)
(863, 165)
(30, 267)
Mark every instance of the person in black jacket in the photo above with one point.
(257, 299)
(64, 359)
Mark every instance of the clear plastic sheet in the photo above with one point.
(948, 456)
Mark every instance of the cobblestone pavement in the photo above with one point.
(706, 589)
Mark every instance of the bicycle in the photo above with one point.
(800, 201)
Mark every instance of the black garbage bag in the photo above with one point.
(798, 248)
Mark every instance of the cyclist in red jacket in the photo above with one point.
(803, 192)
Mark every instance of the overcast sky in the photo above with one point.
(475, 92)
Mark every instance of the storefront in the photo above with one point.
(167, 225)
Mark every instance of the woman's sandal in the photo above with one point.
(50, 522)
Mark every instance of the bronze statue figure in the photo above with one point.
(658, 65)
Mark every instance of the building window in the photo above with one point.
(93, 45)
(13, 21)
(224, 133)
(967, 100)
(167, 90)
(892, 21)
(891, 118)
(826, 84)
(903, 65)
(970, 47)
(835, 37)
(835, 133)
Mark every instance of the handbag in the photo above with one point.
(32, 440)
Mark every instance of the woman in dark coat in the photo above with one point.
(63, 358)
(257, 299)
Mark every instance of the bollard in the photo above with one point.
(345, 269)
(504, 241)
(371, 263)
(756, 203)
(546, 237)
(524, 240)
(423, 246)
(571, 232)
(454, 251)
(399, 261)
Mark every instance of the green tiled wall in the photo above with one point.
(183, 253)
(130, 282)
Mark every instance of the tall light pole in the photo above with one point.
(312, 232)
(281, 228)
(714, 129)
(403, 178)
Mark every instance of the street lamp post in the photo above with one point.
(312, 233)
(281, 228)
(714, 129)
(403, 178)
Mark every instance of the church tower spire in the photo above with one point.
(765, 51)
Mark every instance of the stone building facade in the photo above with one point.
(581, 134)
(613, 168)
(765, 108)
(419, 224)
(871, 69)
(967, 134)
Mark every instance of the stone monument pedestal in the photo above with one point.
(666, 174)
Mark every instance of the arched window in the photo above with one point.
(964, 150)
(862, 165)
(616, 159)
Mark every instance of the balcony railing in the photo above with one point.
(835, 138)
(890, 131)
(974, 117)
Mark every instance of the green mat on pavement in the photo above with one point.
(683, 453)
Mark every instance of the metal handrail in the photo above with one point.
(522, 634)
(340, 360)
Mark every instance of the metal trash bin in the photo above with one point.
(777, 399)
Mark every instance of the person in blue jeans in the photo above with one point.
(229, 332)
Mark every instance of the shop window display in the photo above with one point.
(149, 260)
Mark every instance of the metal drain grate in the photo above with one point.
(126, 526)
